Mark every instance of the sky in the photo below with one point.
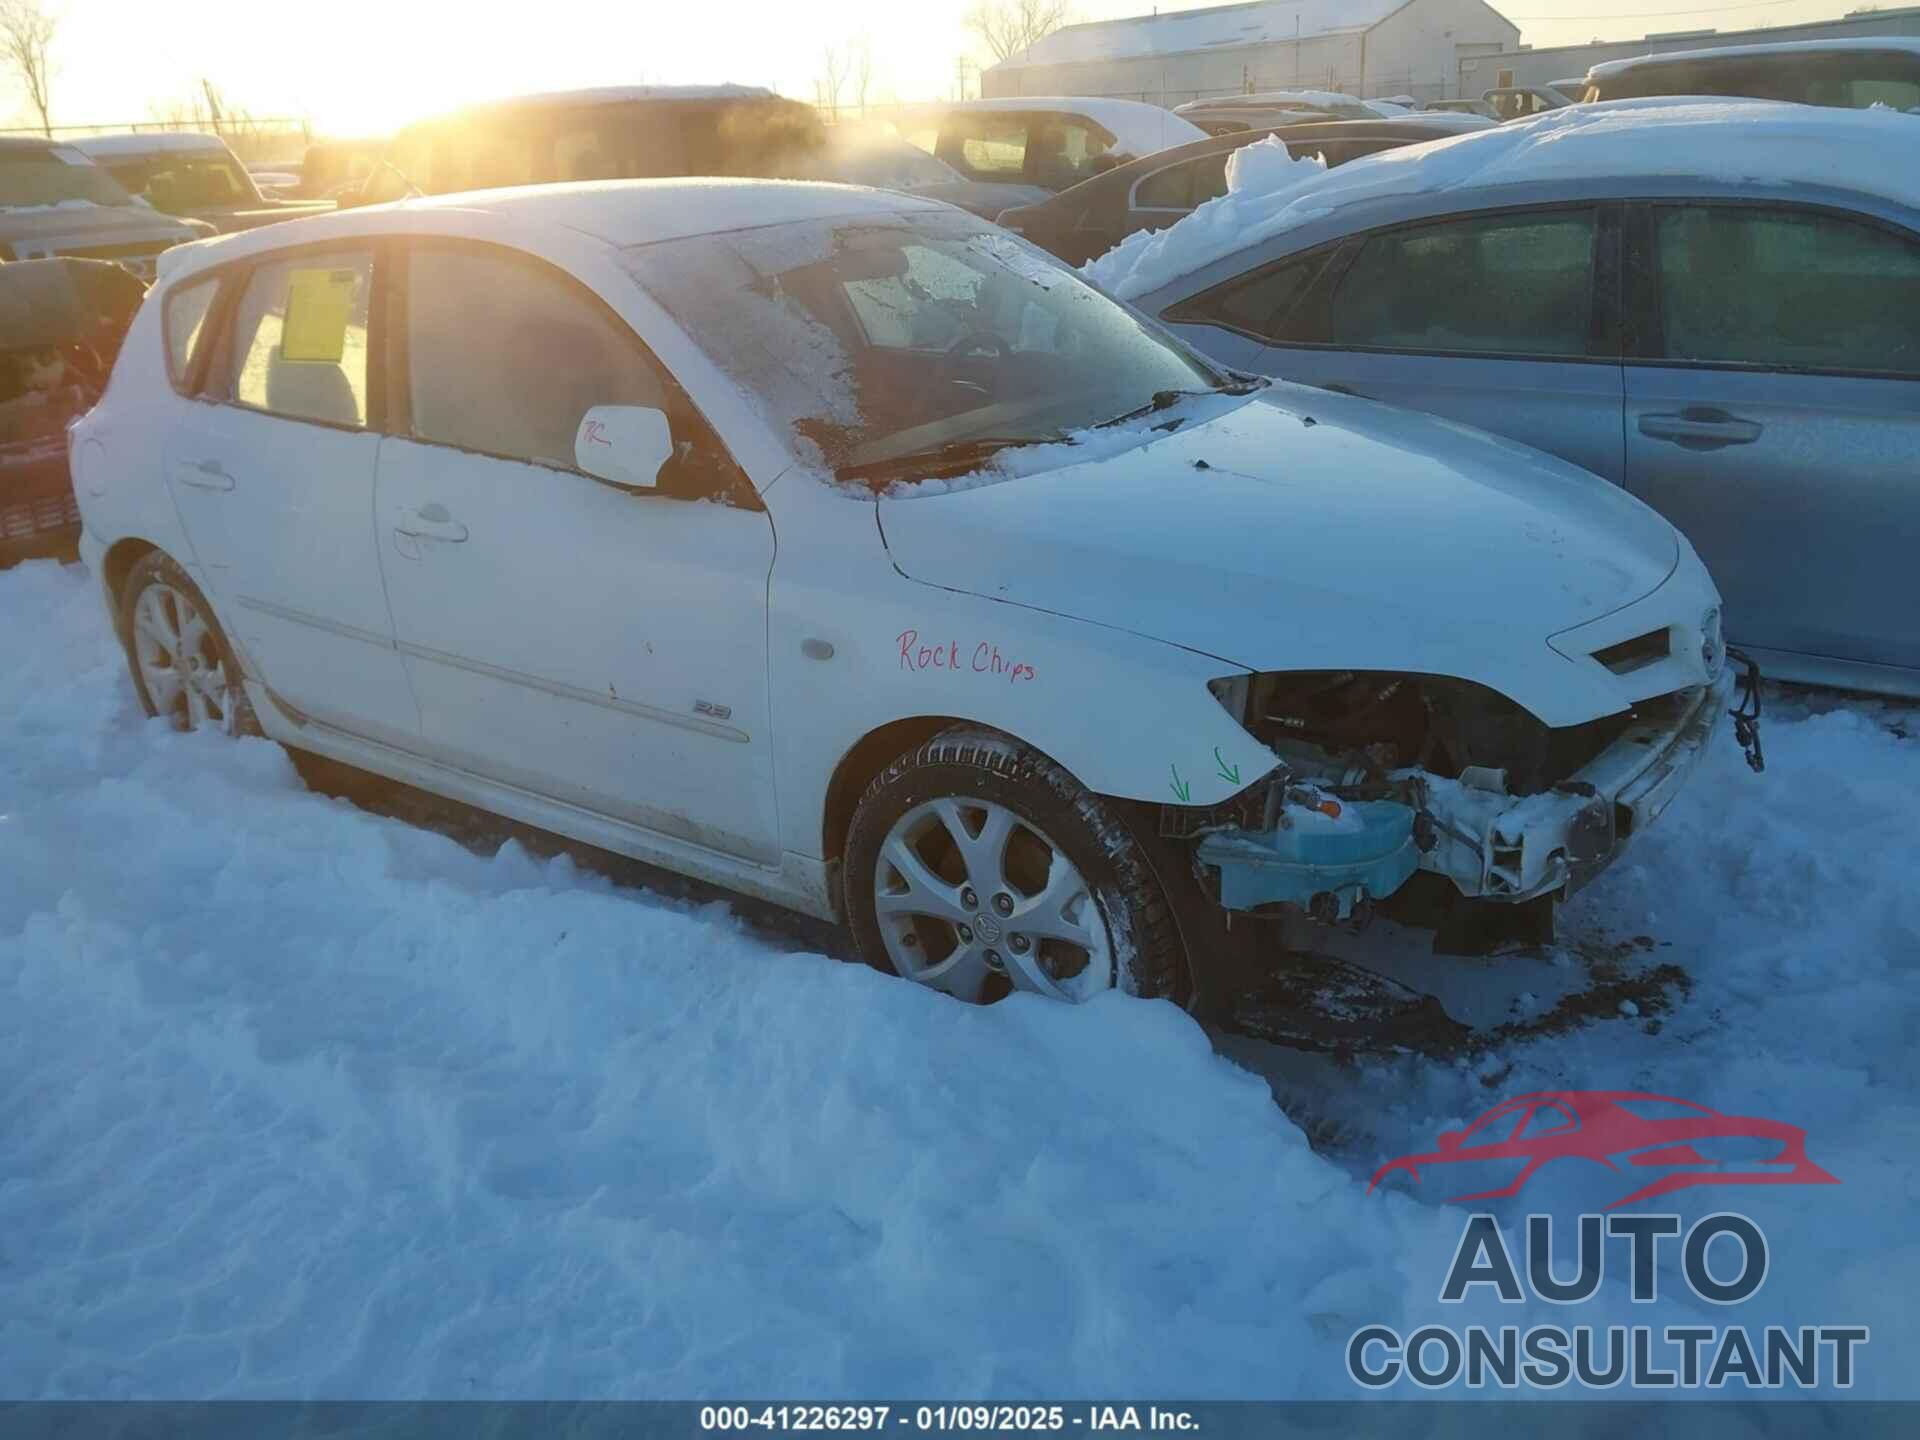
(367, 66)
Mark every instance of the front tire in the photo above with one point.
(183, 668)
(977, 866)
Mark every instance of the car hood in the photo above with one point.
(94, 224)
(1307, 530)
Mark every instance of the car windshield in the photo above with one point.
(180, 183)
(903, 339)
(55, 175)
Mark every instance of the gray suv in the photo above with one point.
(55, 201)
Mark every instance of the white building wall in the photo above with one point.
(1324, 62)
(1416, 50)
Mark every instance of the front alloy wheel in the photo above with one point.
(977, 866)
(967, 891)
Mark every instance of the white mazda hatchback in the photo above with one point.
(840, 549)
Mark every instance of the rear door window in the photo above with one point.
(1513, 284)
(1786, 288)
(300, 338)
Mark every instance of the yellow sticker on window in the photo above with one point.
(319, 303)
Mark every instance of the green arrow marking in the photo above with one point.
(1180, 787)
(1228, 773)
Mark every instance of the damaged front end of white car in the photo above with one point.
(1384, 777)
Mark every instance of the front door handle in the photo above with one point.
(1700, 428)
(203, 475)
(430, 522)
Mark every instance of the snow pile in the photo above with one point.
(1731, 140)
(301, 1101)
(1259, 176)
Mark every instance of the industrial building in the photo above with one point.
(1360, 47)
(1479, 73)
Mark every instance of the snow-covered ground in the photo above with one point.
(298, 1099)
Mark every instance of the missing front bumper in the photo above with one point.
(1496, 847)
(1491, 845)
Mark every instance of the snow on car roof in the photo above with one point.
(1725, 140)
(1135, 125)
(103, 147)
(1781, 47)
(1262, 22)
(618, 212)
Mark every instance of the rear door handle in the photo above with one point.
(203, 474)
(431, 522)
(1700, 429)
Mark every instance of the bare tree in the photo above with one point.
(26, 35)
(1009, 26)
(827, 84)
(861, 61)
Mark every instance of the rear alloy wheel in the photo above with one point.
(979, 867)
(182, 667)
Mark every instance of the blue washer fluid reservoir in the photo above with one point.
(1366, 852)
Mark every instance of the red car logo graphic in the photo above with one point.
(1689, 1143)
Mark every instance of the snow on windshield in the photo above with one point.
(909, 343)
(1735, 140)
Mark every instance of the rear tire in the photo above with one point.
(183, 668)
(977, 866)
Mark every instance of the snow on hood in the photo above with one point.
(1411, 543)
(1725, 140)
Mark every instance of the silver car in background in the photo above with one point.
(1744, 356)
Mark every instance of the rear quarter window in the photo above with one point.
(183, 321)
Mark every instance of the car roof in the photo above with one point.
(1271, 97)
(1897, 43)
(106, 147)
(615, 212)
(21, 144)
(1134, 124)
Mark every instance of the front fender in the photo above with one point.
(854, 646)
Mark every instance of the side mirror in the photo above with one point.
(623, 445)
(1449, 1140)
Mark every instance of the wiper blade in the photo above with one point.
(954, 457)
(1164, 399)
